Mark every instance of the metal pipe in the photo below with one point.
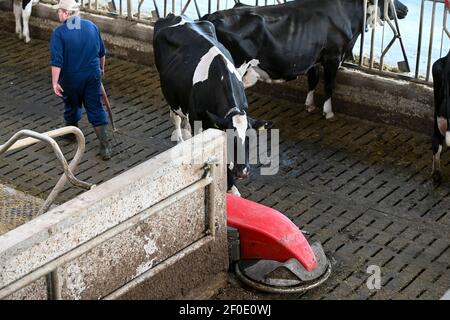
(63, 180)
(430, 48)
(363, 31)
(419, 44)
(129, 11)
(105, 236)
(198, 10)
(156, 9)
(372, 42)
(103, 88)
(185, 7)
(396, 31)
(14, 143)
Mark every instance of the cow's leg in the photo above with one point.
(313, 80)
(26, 13)
(330, 69)
(17, 9)
(437, 141)
(176, 120)
(440, 123)
(186, 128)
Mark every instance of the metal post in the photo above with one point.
(372, 43)
(363, 32)
(430, 47)
(129, 11)
(419, 44)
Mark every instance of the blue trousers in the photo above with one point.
(83, 89)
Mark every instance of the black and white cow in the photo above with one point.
(441, 132)
(201, 83)
(280, 42)
(22, 13)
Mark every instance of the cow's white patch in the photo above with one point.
(328, 109)
(231, 165)
(240, 122)
(436, 168)
(442, 124)
(250, 78)
(202, 70)
(235, 191)
(252, 73)
(310, 106)
(246, 65)
(447, 138)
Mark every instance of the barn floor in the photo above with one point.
(361, 188)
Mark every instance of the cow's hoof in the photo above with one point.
(27, 40)
(330, 117)
(20, 36)
(437, 176)
(310, 109)
(235, 191)
(185, 137)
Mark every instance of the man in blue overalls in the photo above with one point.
(77, 56)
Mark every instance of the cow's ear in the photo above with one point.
(218, 122)
(259, 124)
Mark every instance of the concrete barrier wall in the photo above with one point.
(167, 254)
(400, 103)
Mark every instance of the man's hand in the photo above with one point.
(56, 71)
(58, 90)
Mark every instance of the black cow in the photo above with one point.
(200, 83)
(441, 76)
(280, 42)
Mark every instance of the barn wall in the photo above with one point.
(358, 94)
(167, 254)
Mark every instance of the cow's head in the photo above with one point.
(400, 9)
(237, 123)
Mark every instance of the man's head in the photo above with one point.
(66, 9)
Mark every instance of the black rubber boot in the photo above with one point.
(105, 145)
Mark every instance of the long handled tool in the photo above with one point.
(108, 107)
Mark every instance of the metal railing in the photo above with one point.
(444, 31)
(147, 11)
(16, 143)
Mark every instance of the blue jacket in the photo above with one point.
(76, 46)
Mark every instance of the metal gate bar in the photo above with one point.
(33, 137)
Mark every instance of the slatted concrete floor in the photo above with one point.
(361, 188)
